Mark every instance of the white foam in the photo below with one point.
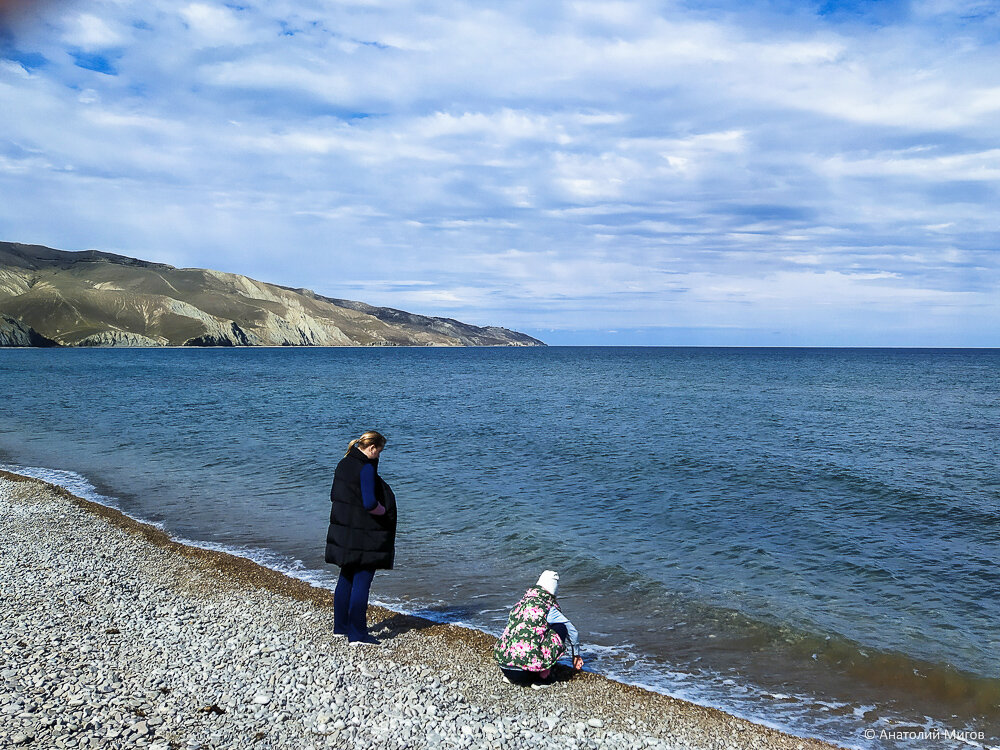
(291, 567)
(80, 486)
(721, 691)
(76, 483)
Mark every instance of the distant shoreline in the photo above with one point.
(52, 297)
(518, 346)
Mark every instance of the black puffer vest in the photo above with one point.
(356, 538)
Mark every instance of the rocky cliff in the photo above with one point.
(15, 333)
(90, 298)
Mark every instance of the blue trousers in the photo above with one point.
(350, 602)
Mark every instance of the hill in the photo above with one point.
(53, 297)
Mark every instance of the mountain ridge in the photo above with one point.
(51, 297)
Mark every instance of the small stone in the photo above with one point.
(262, 698)
(595, 723)
(20, 738)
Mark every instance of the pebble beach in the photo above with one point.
(116, 636)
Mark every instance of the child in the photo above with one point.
(536, 635)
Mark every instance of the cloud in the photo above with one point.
(981, 166)
(90, 33)
(577, 165)
(216, 26)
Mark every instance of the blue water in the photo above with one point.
(805, 537)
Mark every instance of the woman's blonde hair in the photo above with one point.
(370, 437)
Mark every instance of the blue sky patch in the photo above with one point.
(28, 60)
(96, 62)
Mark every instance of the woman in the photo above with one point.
(536, 635)
(362, 534)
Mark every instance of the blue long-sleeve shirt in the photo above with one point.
(368, 498)
(574, 636)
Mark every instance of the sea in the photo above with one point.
(807, 538)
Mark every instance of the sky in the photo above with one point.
(736, 173)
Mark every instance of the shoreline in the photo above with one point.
(452, 692)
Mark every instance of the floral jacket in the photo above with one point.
(527, 642)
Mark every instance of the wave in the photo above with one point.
(796, 711)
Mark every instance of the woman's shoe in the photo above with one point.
(365, 641)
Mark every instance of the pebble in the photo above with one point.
(170, 653)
